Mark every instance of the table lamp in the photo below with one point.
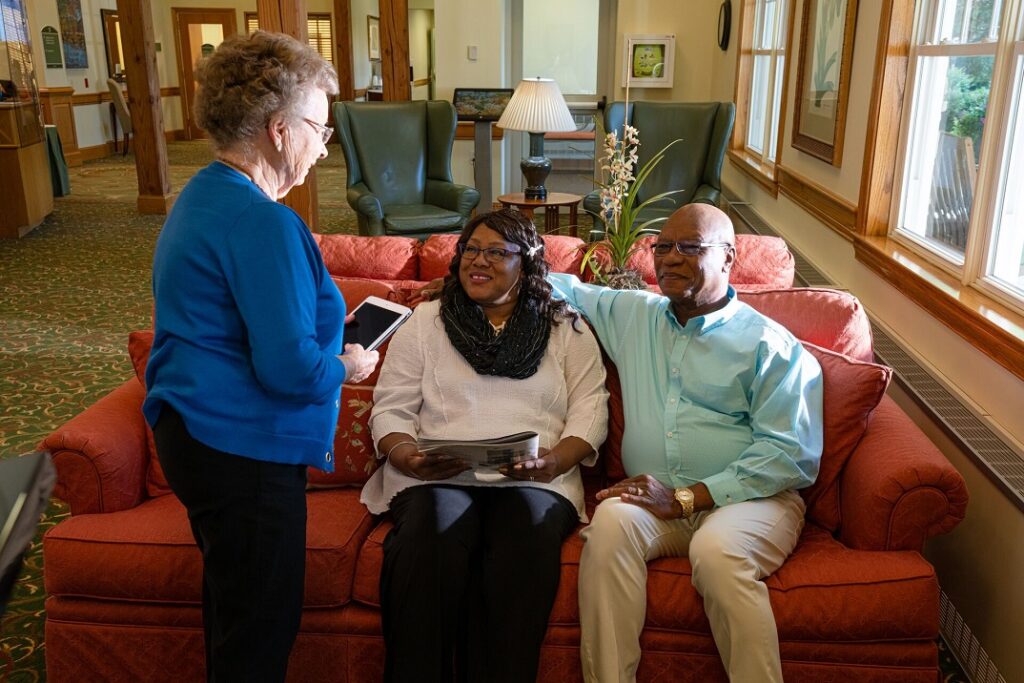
(537, 107)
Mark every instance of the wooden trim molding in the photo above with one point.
(994, 329)
(765, 175)
(87, 98)
(830, 209)
(464, 130)
(420, 81)
(753, 169)
(892, 57)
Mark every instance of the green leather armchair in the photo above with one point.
(693, 165)
(398, 156)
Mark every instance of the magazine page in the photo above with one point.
(489, 454)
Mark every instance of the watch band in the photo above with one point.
(684, 497)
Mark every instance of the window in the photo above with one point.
(962, 116)
(760, 84)
(318, 30)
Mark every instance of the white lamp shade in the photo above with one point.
(537, 106)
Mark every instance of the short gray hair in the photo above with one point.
(249, 79)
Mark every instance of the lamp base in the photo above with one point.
(536, 168)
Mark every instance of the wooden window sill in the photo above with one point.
(994, 329)
(758, 171)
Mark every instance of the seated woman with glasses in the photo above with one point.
(472, 564)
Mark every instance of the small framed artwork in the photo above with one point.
(648, 60)
(823, 78)
(373, 37)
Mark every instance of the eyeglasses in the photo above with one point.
(325, 131)
(685, 248)
(491, 254)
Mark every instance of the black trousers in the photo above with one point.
(469, 577)
(249, 521)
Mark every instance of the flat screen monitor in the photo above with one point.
(481, 104)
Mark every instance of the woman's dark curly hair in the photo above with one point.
(248, 79)
(516, 228)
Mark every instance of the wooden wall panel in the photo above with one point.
(58, 110)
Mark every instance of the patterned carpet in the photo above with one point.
(70, 292)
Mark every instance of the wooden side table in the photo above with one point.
(550, 206)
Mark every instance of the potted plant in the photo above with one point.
(608, 258)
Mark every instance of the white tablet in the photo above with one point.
(376, 320)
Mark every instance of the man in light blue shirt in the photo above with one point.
(723, 420)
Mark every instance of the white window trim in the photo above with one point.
(973, 271)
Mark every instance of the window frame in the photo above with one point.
(752, 163)
(252, 19)
(973, 270)
(975, 308)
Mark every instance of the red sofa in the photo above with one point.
(855, 602)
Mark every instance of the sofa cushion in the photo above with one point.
(148, 554)
(827, 317)
(878, 595)
(414, 219)
(562, 253)
(139, 344)
(378, 258)
(853, 390)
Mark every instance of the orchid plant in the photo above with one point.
(620, 211)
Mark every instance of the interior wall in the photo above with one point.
(421, 21)
(984, 586)
(694, 25)
(457, 25)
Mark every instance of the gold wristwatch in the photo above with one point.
(685, 499)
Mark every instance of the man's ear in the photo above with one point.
(730, 259)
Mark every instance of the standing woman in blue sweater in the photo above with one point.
(246, 368)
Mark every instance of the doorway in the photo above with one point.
(197, 32)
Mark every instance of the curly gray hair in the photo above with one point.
(249, 79)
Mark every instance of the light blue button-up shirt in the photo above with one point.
(730, 399)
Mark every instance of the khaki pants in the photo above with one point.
(731, 549)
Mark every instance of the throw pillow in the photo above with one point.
(853, 389)
(384, 257)
(354, 457)
(827, 317)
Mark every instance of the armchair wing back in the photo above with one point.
(398, 158)
(693, 165)
(124, 117)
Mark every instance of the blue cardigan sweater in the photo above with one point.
(248, 325)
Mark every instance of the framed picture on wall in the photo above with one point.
(648, 60)
(373, 37)
(823, 77)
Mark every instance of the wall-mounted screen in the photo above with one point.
(481, 104)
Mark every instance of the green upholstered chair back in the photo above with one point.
(395, 147)
(703, 127)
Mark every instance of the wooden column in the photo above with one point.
(343, 49)
(289, 16)
(394, 49)
(136, 17)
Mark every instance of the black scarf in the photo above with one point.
(515, 352)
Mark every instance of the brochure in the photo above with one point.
(489, 454)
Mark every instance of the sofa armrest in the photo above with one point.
(898, 489)
(458, 198)
(101, 455)
(705, 194)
